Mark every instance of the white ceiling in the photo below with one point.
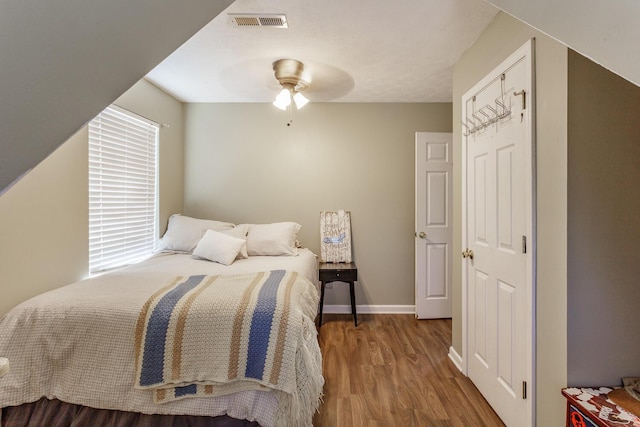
(354, 51)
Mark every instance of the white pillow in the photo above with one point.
(273, 239)
(218, 247)
(184, 233)
(240, 231)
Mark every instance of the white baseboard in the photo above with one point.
(370, 309)
(456, 358)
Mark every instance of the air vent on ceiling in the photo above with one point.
(261, 20)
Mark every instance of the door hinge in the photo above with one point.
(524, 389)
(524, 244)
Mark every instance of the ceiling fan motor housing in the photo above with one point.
(289, 73)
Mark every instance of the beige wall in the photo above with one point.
(245, 165)
(497, 42)
(604, 229)
(44, 217)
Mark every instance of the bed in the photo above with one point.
(175, 335)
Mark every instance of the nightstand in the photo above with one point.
(346, 272)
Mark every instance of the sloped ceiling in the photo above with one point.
(607, 32)
(376, 51)
(63, 61)
(353, 51)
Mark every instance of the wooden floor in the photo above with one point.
(393, 370)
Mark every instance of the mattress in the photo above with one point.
(75, 343)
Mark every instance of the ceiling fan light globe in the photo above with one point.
(283, 100)
(280, 106)
(300, 100)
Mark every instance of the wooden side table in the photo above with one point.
(346, 272)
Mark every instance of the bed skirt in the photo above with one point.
(55, 413)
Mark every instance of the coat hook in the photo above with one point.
(470, 129)
(504, 107)
(473, 125)
(468, 132)
(478, 118)
(494, 111)
(524, 98)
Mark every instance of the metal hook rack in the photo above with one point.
(494, 115)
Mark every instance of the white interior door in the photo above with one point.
(433, 225)
(498, 242)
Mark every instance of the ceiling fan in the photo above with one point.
(289, 73)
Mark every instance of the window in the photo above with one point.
(123, 153)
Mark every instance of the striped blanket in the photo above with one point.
(214, 335)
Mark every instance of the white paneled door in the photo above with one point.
(433, 225)
(498, 238)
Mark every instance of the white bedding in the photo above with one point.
(305, 263)
(75, 343)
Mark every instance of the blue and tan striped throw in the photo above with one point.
(214, 335)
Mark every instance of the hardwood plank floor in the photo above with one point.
(394, 370)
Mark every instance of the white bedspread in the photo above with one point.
(76, 343)
(305, 264)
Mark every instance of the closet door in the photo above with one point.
(434, 231)
(498, 238)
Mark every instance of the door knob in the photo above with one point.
(468, 253)
(422, 235)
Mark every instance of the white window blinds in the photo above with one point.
(123, 152)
